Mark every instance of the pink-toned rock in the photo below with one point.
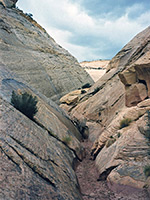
(128, 77)
(137, 73)
(72, 97)
(95, 129)
(113, 130)
(145, 103)
(123, 161)
(107, 96)
(120, 153)
(135, 94)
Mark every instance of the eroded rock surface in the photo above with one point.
(121, 154)
(124, 159)
(27, 49)
(35, 160)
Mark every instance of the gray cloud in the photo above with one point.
(90, 29)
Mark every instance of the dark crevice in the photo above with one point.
(9, 157)
(117, 100)
(33, 168)
(143, 82)
(36, 155)
(41, 175)
(82, 128)
(95, 152)
(103, 176)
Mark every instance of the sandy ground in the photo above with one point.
(91, 189)
(96, 69)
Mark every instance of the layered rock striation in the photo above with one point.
(121, 154)
(27, 50)
(36, 161)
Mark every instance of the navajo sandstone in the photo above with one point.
(27, 50)
(121, 154)
(36, 162)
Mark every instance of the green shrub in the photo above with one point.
(147, 170)
(29, 15)
(83, 91)
(66, 139)
(95, 90)
(87, 85)
(25, 103)
(118, 134)
(125, 122)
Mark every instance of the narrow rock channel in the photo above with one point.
(91, 189)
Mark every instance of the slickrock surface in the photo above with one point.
(35, 161)
(121, 154)
(27, 50)
(107, 95)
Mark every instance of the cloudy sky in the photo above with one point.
(90, 29)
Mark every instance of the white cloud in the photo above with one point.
(65, 20)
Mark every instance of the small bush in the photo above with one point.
(66, 139)
(29, 15)
(125, 122)
(95, 91)
(25, 103)
(83, 91)
(87, 85)
(147, 171)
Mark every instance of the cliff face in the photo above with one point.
(120, 153)
(35, 160)
(27, 50)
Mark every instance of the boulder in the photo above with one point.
(128, 77)
(135, 93)
(71, 97)
(136, 74)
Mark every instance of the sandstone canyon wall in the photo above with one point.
(122, 93)
(36, 161)
(27, 50)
